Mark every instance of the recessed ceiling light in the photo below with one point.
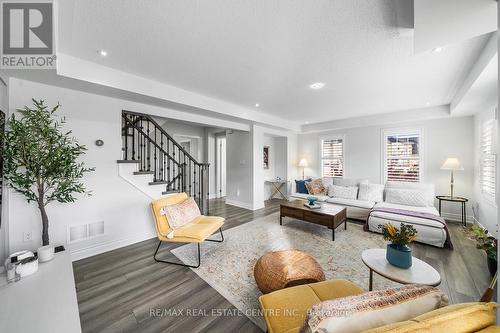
(428, 103)
(307, 123)
(437, 50)
(257, 105)
(317, 85)
(103, 53)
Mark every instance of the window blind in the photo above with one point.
(332, 158)
(402, 157)
(488, 159)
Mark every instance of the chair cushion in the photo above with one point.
(200, 228)
(285, 310)
(162, 226)
(182, 213)
(351, 202)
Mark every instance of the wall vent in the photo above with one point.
(82, 232)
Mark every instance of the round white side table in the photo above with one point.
(419, 273)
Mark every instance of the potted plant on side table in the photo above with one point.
(486, 242)
(398, 251)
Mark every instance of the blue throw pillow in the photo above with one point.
(300, 185)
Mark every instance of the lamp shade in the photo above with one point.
(303, 163)
(452, 163)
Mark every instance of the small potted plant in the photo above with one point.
(398, 251)
(485, 242)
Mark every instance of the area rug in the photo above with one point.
(228, 267)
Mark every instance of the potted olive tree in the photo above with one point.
(40, 160)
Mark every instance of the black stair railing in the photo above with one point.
(157, 153)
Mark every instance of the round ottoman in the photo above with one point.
(281, 269)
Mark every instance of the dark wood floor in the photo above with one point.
(118, 290)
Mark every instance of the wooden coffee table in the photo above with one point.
(328, 215)
(420, 272)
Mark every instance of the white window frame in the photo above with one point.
(402, 131)
(490, 197)
(335, 137)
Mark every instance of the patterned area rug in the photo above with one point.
(228, 267)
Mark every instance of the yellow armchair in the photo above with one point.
(197, 231)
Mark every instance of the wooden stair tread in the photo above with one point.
(127, 161)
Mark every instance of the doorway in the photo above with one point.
(220, 166)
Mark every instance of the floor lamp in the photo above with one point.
(452, 164)
(303, 165)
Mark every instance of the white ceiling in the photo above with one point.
(268, 52)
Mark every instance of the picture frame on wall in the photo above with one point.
(266, 157)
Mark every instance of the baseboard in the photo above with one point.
(239, 204)
(96, 249)
(456, 217)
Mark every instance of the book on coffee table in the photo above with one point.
(315, 206)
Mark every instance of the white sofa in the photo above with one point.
(356, 209)
(410, 197)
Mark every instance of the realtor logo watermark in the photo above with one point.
(27, 35)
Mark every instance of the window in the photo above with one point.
(403, 156)
(488, 159)
(332, 158)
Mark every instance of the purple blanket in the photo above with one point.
(447, 243)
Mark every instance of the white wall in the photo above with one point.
(442, 138)
(289, 154)
(123, 208)
(239, 166)
(487, 213)
(178, 129)
(277, 161)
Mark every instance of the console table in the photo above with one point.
(44, 302)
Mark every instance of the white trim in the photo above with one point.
(241, 204)
(96, 249)
(402, 131)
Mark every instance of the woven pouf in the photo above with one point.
(281, 269)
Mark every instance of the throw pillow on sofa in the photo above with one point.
(407, 197)
(300, 185)
(373, 309)
(344, 192)
(371, 192)
(316, 187)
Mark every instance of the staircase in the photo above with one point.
(156, 153)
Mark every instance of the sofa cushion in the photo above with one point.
(300, 185)
(351, 202)
(407, 219)
(346, 192)
(408, 197)
(371, 192)
(459, 318)
(426, 190)
(316, 187)
(373, 309)
(348, 181)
